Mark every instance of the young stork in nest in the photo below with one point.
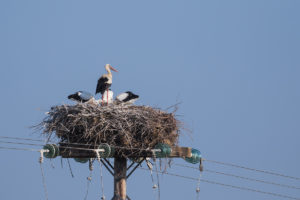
(105, 81)
(86, 97)
(126, 98)
(81, 96)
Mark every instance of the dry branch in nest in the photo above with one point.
(126, 126)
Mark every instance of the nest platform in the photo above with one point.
(121, 126)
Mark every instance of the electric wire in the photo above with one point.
(31, 144)
(228, 185)
(157, 176)
(208, 160)
(20, 138)
(251, 169)
(191, 178)
(198, 186)
(241, 177)
(19, 149)
(44, 181)
(119, 147)
(89, 179)
(70, 168)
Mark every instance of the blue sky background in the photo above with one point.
(233, 65)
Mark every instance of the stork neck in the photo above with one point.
(108, 71)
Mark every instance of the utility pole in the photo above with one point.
(120, 169)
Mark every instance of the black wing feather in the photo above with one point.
(130, 96)
(102, 85)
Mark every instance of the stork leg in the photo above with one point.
(107, 96)
(102, 101)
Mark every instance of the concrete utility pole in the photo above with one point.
(120, 169)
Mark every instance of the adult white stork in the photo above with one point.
(127, 98)
(105, 81)
(81, 96)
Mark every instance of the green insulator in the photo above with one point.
(53, 151)
(81, 160)
(165, 150)
(57, 153)
(195, 158)
(107, 150)
(112, 152)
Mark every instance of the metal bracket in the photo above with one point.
(108, 169)
(107, 162)
(130, 166)
(135, 168)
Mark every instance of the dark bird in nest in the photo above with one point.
(81, 96)
(127, 97)
(105, 81)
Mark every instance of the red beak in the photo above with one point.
(113, 69)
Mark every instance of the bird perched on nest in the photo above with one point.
(86, 97)
(126, 98)
(81, 96)
(105, 81)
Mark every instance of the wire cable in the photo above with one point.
(20, 138)
(119, 147)
(228, 185)
(19, 149)
(30, 144)
(252, 169)
(242, 177)
(208, 160)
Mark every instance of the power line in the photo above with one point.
(30, 144)
(19, 149)
(20, 138)
(228, 185)
(69, 143)
(242, 177)
(252, 169)
(191, 178)
(208, 160)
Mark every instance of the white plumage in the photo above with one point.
(127, 98)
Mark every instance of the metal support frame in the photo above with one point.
(130, 165)
(135, 168)
(107, 162)
(111, 172)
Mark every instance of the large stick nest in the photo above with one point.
(126, 126)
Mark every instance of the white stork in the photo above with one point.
(105, 81)
(84, 97)
(81, 96)
(109, 94)
(126, 98)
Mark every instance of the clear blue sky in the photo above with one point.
(233, 64)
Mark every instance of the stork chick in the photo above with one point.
(81, 96)
(126, 98)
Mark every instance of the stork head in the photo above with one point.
(108, 67)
